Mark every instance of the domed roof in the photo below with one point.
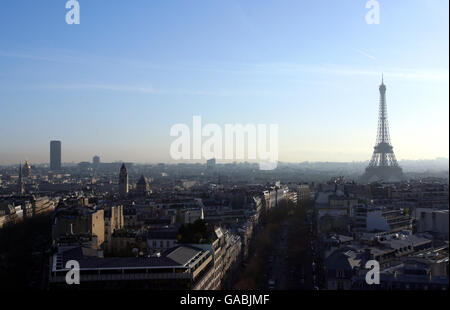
(26, 169)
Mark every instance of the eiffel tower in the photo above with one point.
(383, 166)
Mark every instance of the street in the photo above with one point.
(282, 274)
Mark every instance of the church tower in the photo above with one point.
(123, 181)
(142, 186)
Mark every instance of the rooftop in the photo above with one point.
(178, 257)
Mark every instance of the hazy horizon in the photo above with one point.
(174, 162)
(115, 84)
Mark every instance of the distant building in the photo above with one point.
(410, 275)
(373, 219)
(123, 181)
(345, 266)
(41, 205)
(435, 221)
(80, 221)
(96, 160)
(8, 214)
(114, 221)
(142, 186)
(189, 216)
(55, 155)
(341, 266)
(304, 193)
(20, 186)
(334, 204)
(84, 165)
(187, 184)
(159, 240)
(3, 219)
(211, 164)
(130, 217)
(26, 169)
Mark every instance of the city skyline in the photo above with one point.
(94, 155)
(230, 146)
(119, 101)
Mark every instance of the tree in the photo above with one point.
(196, 232)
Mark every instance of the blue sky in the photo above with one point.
(116, 83)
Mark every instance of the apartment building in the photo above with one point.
(179, 268)
(79, 220)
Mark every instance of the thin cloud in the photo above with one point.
(61, 57)
(151, 90)
(120, 88)
(365, 54)
(259, 69)
(330, 69)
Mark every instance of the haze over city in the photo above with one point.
(261, 150)
(115, 84)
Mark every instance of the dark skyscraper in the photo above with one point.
(55, 155)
